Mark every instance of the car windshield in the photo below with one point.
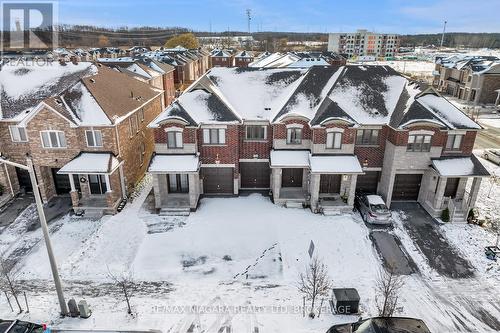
(380, 208)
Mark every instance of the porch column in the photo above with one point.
(156, 189)
(276, 183)
(474, 191)
(314, 190)
(75, 199)
(108, 183)
(122, 181)
(71, 182)
(352, 190)
(497, 101)
(438, 199)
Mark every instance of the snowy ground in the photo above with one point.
(240, 252)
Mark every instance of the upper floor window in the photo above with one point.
(174, 139)
(133, 125)
(367, 137)
(18, 134)
(454, 142)
(254, 132)
(334, 140)
(94, 138)
(419, 143)
(294, 136)
(53, 139)
(214, 136)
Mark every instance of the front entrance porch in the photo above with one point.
(452, 183)
(290, 177)
(96, 183)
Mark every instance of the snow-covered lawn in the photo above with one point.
(241, 251)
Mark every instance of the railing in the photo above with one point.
(466, 202)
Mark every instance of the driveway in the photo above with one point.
(392, 252)
(442, 257)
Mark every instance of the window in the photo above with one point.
(142, 152)
(133, 127)
(367, 137)
(94, 138)
(419, 143)
(141, 115)
(53, 139)
(294, 136)
(454, 142)
(255, 132)
(174, 139)
(214, 136)
(334, 140)
(18, 134)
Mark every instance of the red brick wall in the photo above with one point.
(249, 148)
(467, 145)
(348, 137)
(374, 154)
(400, 138)
(169, 87)
(279, 130)
(228, 153)
(242, 62)
(219, 62)
(188, 135)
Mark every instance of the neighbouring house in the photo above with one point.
(157, 74)
(243, 58)
(312, 137)
(364, 43)
(221, 58)
(297, 60)
(83, 125)
(474, 79)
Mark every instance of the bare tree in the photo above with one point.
(388, 287)
(125, 282)
(8, 280)
(314, 282)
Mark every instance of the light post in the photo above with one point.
(45, 229)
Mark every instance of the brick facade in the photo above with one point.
(221, 61)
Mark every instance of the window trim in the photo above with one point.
(17, 128)
(210, 143)
(452, 148)
(175, 133)
(358, 143)
(256, 139)
(93, 138)
(57, 137)
(288, 137)
(334, 133)
(422, 143)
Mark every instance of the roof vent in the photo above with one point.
(58, 101)
(131, 94)
(92, 80)
(99, 64)
(267, 109)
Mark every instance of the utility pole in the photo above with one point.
(442, 36)
(45, 230)
(249, 18)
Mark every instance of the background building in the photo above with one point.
(363, 43)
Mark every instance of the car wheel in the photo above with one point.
(486, 157)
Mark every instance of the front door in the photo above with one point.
(329, 184)
(178, 183)
(97, 184)
(291, 177)
(451, 187)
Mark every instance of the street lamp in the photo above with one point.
(45, 229)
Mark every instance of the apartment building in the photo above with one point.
(311, 137)
(84, 127)
(363, 43)
(475, 79)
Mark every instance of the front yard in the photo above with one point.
(235, 252)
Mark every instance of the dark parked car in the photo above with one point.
(372, 208)
(18, 326)
(383, 325)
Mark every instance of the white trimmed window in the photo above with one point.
(214, 136)
(454, 142)
(94, 138)
(255, 132)
(53, 139)
(174, 139)
(419, 143)
(367, 137)
(334, 140)
(18, 134)
(294, 136)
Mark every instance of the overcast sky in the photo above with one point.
(393, 16)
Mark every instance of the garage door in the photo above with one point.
(217, 180)
(368, 182)
(406, 187)
(254, 174)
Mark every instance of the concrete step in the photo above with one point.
(293, 204)
(93, 213)
(175, 211)
(327, 211)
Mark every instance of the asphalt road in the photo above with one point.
(442, 257)
(487, 138)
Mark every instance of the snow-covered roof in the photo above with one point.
(290, 158)
(460, 167)
(85, 163)
(338, 164)
(174, 163)
(309, 62)
(84, 106)
(24, 85)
